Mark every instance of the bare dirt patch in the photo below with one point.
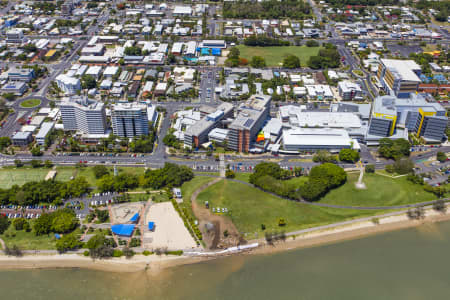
(213, 226)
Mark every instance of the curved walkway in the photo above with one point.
(336, 205)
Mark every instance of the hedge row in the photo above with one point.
(189, 222)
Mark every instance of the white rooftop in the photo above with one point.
(316, 137)
(403, 68)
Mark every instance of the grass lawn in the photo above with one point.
(65, 173)
(11, 176)
(28, 240)
(274, 55)
(30, 103)
(90, 177)
(188, 188)
(295, 180)
(381, 191)
(243, 176)
(249, 208)
(144, 197)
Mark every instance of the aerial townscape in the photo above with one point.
(140, 135)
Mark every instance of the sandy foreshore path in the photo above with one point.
(352, 230)
(301, 239)
(151, 263)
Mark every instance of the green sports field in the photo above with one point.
(274, 55)
(10, 175)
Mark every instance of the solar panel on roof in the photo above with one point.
(248, 122)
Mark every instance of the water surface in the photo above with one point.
(409, 264)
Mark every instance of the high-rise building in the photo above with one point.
(424, 118)
(129, 119)
(399, 77)
(250, 118)
(84, 115)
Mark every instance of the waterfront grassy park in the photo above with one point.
(380, 191)
(250, 208)
(28, 240)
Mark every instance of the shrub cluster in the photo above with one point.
(189, 222)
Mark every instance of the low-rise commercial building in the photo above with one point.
(69, 85)
(197, 134)
(17, 88)
(313, 139)
(25, 74)
(45, 130)
(349, 90)
(14, 36)
(22, 138)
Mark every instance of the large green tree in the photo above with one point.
(258, 62)
(291, 62)
(348, 155)
(322, 179)
(100, 171)
(394, 148)
(4, 223)
(68, 242)
(266, 168)
(63, 220)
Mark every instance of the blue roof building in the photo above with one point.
(123, 229)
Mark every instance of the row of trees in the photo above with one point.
(264, 41)
(327, 58)
(270, 177)
(170, 175)
(45, 191)
(119, 183)
(341, 3)
(345, 155)
(394, 148)
(438, 191)
(271, 9)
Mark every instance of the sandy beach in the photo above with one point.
(154, 263)
(151, 263)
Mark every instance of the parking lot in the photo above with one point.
(28, 212)
(403, 50)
